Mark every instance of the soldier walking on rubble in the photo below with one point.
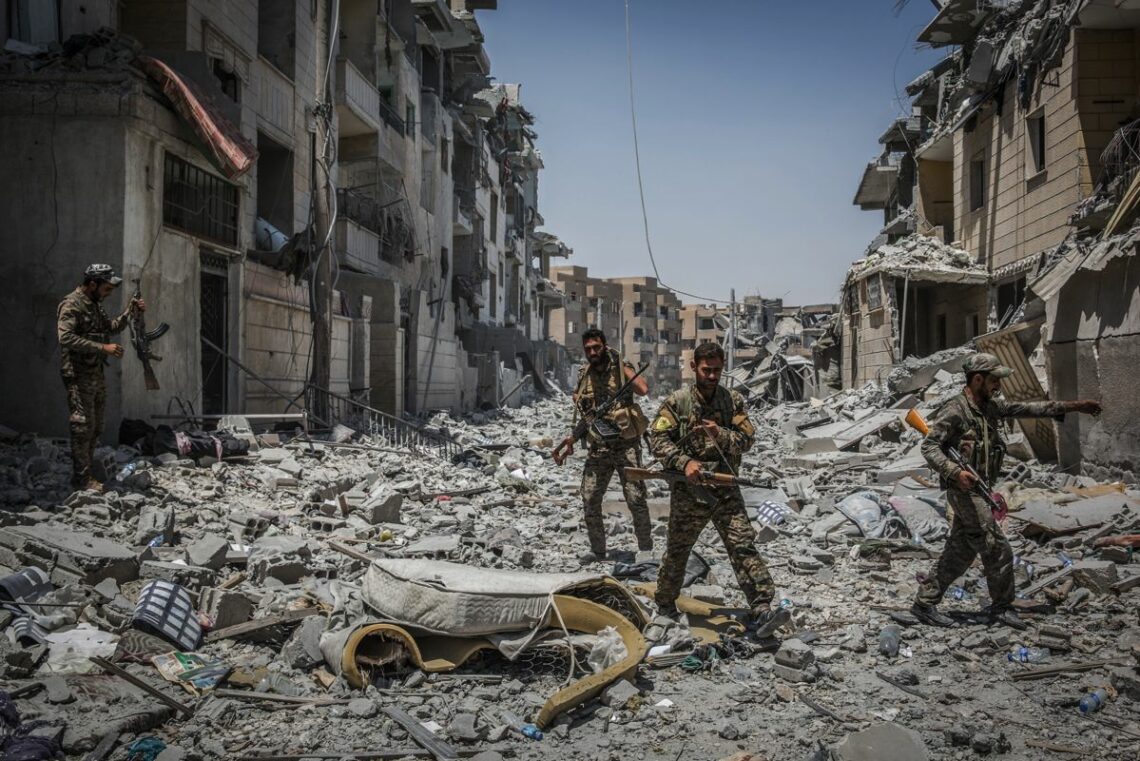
(970, 422)
(598, 381)
(704, 427)
(84, 331)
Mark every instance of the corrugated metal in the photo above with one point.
(1022, 386)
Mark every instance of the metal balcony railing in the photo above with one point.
(393, 430)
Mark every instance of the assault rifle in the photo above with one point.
(992, 498)
(708, 478)
(698, 489)
(141, 338)
(594, 419)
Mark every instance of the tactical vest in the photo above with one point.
(688, 417)
(627, 417)
(981, 440)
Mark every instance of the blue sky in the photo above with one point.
(755, 119)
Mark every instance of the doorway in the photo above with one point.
(213, 306)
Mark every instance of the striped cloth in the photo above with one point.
(772, 513)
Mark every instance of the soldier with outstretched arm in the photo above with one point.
(704, 427)
(970, 423)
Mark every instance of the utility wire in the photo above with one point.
(637, 162)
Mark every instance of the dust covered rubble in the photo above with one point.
(850, 522)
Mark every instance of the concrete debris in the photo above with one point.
(275, 579)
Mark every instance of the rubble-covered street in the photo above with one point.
(366, 399)
(271, 549)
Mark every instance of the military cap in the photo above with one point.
(102, 272)
(986, 363)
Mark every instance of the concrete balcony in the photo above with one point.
(357, 101)
(357, 248)
(460, 223)
(275, 102)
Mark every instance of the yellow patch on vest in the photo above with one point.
(662, 423)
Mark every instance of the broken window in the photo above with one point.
(874, 287)
(977, 184)
(638, 334)
(228, 79)
(638, 308)
(277, 35)
(706, 323)
(494, 217)
(1035, 134)
(275, 184)
(664, 312)
(197, 202)
(1009, 297)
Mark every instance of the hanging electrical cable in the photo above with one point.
(637, 162)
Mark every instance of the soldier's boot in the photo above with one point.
(929, 615)
(1008, 616)
(668, 610)
(763, 621)
(593, 556)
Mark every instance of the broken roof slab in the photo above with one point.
(956, 24)
(877, 184)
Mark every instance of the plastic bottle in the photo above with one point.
(523, 728)
(958, 593)
(1029, 655)
(787, 604)
(1066, 561)
(1094, 701)
(126, 471)
(889, 640)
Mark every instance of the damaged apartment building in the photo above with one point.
(640, 317)
(327, 200)
(1009, 195)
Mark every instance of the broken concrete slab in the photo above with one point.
(882, 742)
(78, 555)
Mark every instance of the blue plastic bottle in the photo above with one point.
(1094, 701)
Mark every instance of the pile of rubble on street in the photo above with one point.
(347, 595)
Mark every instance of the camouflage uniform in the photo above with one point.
(603, 458)
(83, 328)
(973, 530)
(688, 516)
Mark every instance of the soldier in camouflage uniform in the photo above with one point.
(704, 427)
(84, 331)
(970, 422)
(598, 381)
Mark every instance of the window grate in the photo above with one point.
(198, 202)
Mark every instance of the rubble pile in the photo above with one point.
(352, 595)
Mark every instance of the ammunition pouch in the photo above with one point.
(630, 421)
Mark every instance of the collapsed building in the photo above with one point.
(329, 202)
(1008, 203)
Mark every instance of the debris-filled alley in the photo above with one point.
(359, 472)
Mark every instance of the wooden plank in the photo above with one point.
(1047, 581)
(142, 685)
(249, 627)
(439, 750)
(274, 698)
(1044, 671)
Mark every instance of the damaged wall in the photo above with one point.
(1003, 230)
(1092, 354)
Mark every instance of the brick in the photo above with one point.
(225, 607)
(189, 576)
